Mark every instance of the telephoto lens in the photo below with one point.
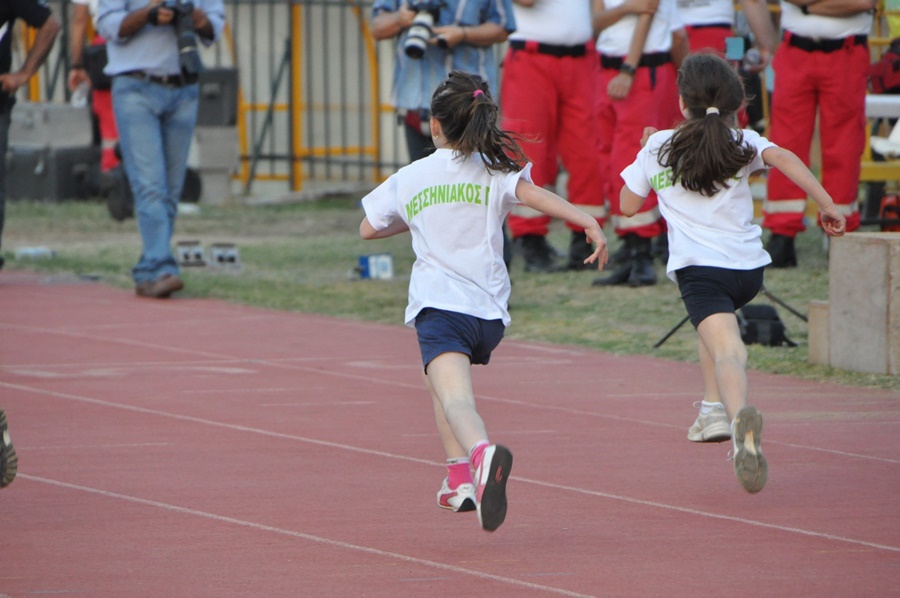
(419, 34)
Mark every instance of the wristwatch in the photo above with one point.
(627, 69)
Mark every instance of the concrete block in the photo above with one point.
(864, 302)
(818, 333)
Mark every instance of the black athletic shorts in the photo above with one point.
(706, 290)
(443, 331)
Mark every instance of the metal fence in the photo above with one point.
(313, 93)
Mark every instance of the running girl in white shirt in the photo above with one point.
(699, 172)
(454, 203)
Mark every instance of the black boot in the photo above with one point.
(661, 248)
(579, 250)
(781, 248)
(539, 256)
(642, 271)
(622, 273)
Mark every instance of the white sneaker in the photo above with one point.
(490, 477)
(750, 465)
(712, 427)
(459, 499)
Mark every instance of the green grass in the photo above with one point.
(300, 257)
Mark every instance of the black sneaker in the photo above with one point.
(9, 462)
(538, 255)
(781, 248)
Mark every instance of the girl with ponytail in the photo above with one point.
(700, 174)
(454, 203)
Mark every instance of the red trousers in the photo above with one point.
(834, 85)
(101, 104)
(622, 125)
(549, 100)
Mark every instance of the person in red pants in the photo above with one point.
(634, 91)
(101, 96)
(821, 67)
(548, 98)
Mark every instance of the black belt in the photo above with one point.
(809, 44)
(178, 80)
(711, 26)
(655, 59)
(549, 49)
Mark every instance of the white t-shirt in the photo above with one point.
(819, 27)
(91, 4)
(706, 12)
(558, 22)
(455, 209)
(616, 39)
(703, 231)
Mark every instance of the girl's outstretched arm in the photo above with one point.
(551, 204)
(629, 201)
(368, 232)
(833, 222)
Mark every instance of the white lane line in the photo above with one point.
(303, 536)
(347, 447)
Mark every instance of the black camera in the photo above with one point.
(427, 15)
(183, 22)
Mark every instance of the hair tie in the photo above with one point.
(477, 93)
(712, 110)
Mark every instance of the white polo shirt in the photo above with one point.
(616, 39)
(557, 22)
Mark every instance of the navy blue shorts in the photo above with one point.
(706, 290)
(443, 331)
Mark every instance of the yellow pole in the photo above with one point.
(297, 98)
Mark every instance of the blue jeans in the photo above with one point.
(156, 126)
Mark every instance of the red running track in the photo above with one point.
(200, 449)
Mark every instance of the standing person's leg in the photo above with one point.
(533, 115)
(4, 145)
(794, 108)
(178, 124)
(138, 107)
(9, 461)
(842, 128)
(418, 142)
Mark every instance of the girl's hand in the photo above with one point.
(648, 131)
(601, 251)
(833, 222)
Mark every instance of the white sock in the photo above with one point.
(705, 407)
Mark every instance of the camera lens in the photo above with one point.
(419, 34)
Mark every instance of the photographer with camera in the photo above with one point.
(155, 66)
(435, 37)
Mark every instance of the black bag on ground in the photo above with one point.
(761, 324)
(94, 62)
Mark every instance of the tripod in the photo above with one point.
(763, 291)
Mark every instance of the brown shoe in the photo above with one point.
(167, 284)
(144, 289)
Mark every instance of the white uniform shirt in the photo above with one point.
(557, 22)
(706, 12)
(455, 209)
(713, 231)
(819, 27)
(616, 39)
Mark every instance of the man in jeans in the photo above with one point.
(155, 97)
(37, 15)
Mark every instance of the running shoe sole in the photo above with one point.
(9, 461)
(492, 506)
(750, 465)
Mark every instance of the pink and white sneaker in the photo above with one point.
(490, 480)
(459, 499)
